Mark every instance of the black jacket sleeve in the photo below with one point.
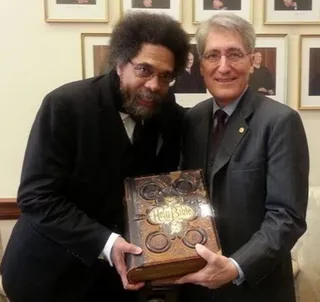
(46, 172)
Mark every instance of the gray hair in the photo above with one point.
(228, 22)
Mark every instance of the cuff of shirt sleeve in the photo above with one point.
(241, 277)
(106, 252)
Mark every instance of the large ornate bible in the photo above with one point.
(167, 215)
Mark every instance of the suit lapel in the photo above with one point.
(202, 134)
(114, 139)
(236, 130)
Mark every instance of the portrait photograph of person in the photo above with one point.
(190, 80)
(100, 54)
(309, 68)
(292, 12)
(168, 7)
(94, 54)
(76, 1)
(88, 11)
(222, 4)
(150, 4)
(314, 71)
(263, 71)
(293, 5)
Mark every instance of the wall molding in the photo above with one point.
(9, 209)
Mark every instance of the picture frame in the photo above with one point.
(76, 11)
(172, 8)
(293, 12)
(189, 87)
(309, 92)
(204, 9)
(94, 50)
(271, 78)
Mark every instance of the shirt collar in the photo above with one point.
(124, 115)
(231, 107)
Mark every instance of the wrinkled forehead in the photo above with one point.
(157, 56)
(223, 39)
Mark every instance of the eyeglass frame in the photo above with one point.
(219, 55)
(153, 73)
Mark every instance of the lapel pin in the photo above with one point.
(241, 130)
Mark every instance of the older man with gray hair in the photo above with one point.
(255, 156)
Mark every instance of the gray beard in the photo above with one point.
(139, 112)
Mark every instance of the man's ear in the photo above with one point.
(251, 58)
(201, 68)
(119, 69)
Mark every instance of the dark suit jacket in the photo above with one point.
(71, 190)
(259, 190)
(163, 4)
(314, 85)
(301, 5)
(262, 78)
(189, 83)
(228, 4)
(74, 2)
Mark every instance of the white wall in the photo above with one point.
(36, 57)
(5, 232)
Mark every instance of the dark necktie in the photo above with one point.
(220, 117)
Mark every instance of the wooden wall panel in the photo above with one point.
(9, 209)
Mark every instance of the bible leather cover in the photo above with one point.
(167, 215)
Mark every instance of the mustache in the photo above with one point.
(147, 95)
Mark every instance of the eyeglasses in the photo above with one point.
(147, 72)
(233, 57)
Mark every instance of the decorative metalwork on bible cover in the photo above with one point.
(167, 215)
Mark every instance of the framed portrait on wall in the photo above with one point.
(309, 72)
(76, 10)
(204, 9)
(94, 51)
(189, 87)
(269, 71)
(170, 7)
(291, 11)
